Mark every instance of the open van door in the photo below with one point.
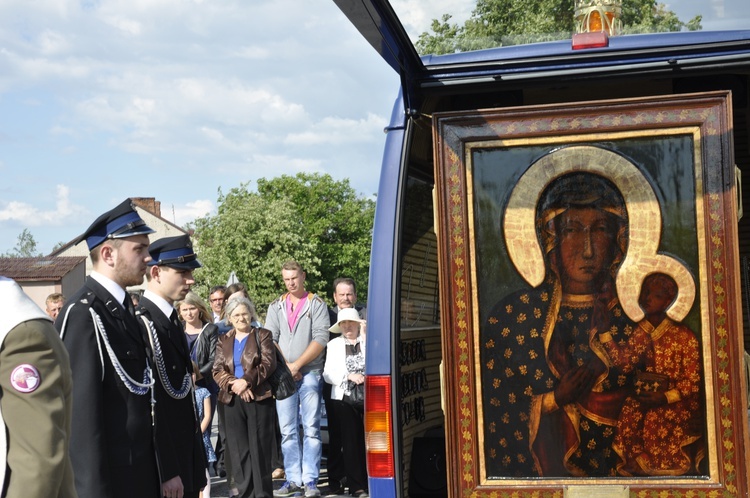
(488, 155)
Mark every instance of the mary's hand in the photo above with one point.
(574, 384)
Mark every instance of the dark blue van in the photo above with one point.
(425, 432)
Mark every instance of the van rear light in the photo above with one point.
(596, 39)
(378, 434)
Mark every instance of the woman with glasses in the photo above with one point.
(245, 358)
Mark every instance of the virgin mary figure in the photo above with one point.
(550, 397)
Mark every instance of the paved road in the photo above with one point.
(220, 488)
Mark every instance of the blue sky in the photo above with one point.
(174, 99)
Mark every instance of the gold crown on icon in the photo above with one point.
(598, 15)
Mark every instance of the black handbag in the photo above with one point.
(356, 396)
(282, 383)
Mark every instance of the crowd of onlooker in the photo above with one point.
(117, 399)
(261, 439)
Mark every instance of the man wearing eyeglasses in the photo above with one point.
(217, 299)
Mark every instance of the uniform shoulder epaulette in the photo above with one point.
(87, 298)
(142, 311)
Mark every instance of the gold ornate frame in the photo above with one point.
(568, 137)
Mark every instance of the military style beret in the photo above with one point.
(175, 252)
(118, 223)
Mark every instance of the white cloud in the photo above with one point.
(336, 131)
(417, 15)
(252, 52)
(192, 210)
(24, 69)
(32, 216)
(156, 111)
(213, 134)
(127, 26)
(271, 166)
(52, 43)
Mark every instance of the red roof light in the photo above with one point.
(597, 39)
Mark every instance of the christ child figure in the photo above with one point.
(658, 426)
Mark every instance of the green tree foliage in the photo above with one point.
(647, 16)
(494, 23)
(25, 246)
(496, 19)
(320, 222)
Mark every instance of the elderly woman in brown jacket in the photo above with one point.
(245, 357)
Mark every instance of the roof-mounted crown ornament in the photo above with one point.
(598, 15)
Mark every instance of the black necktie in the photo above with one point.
(128, 304)
(175, 320)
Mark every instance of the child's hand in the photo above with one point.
(652, 399)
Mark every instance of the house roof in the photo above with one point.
(41, 268)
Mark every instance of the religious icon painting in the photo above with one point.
(594, 308)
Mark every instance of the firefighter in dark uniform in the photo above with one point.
(179, 441)
(111, 441)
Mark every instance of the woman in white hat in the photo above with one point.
(345, 371)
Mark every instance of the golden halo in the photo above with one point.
(644, 219)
